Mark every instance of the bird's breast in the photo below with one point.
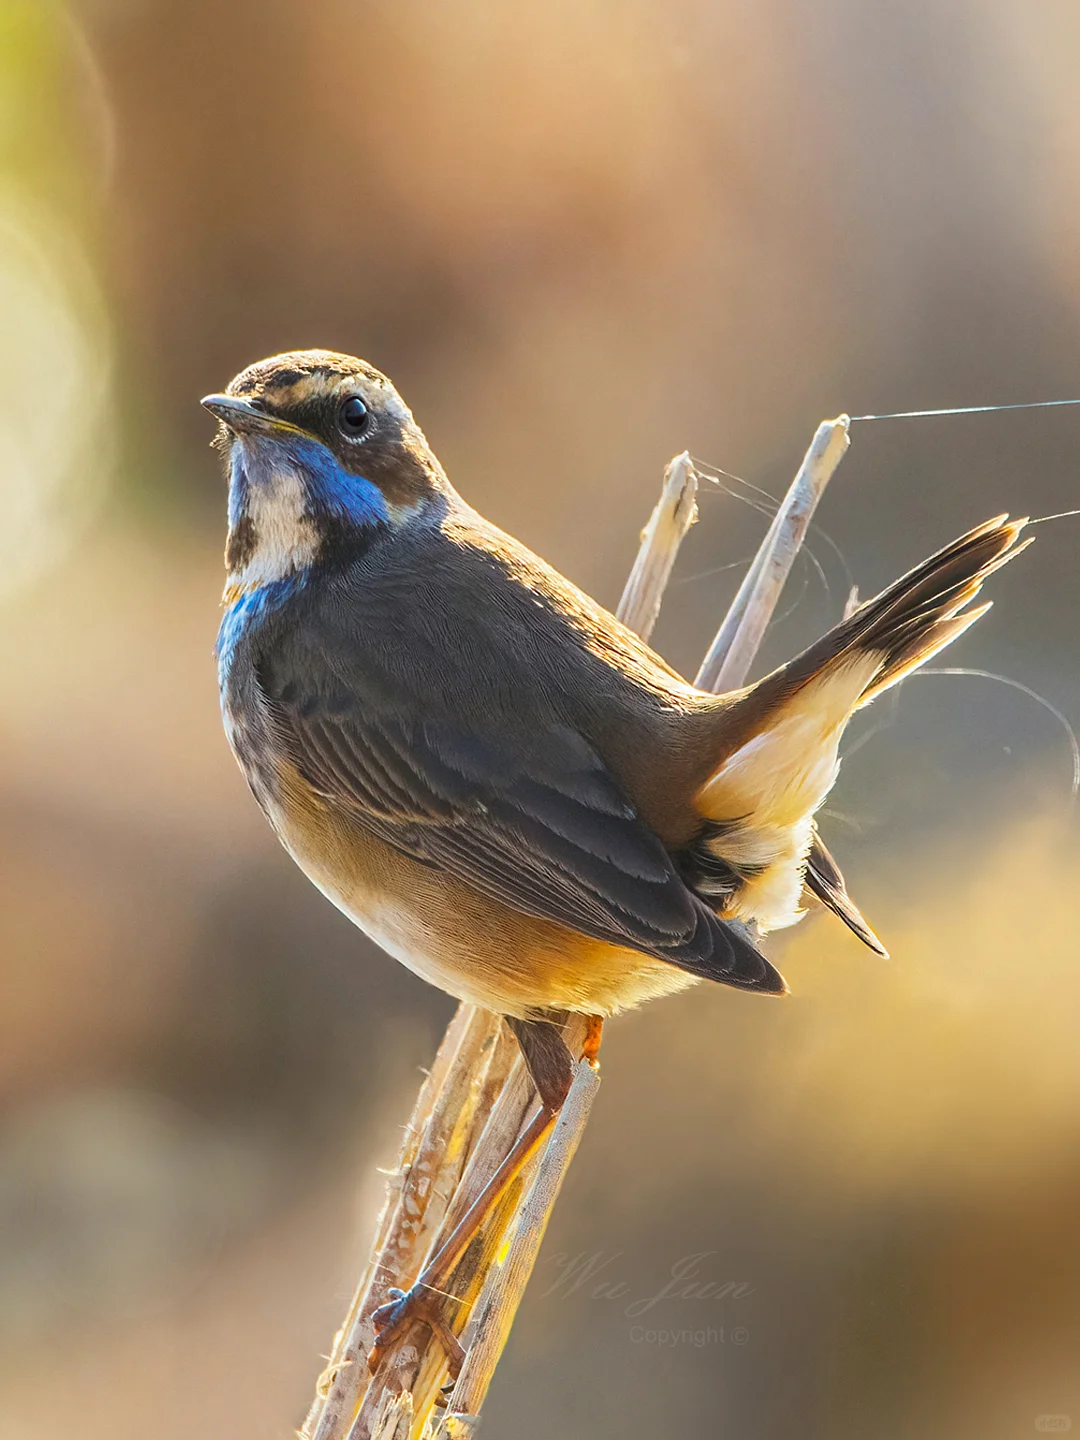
(247, 729)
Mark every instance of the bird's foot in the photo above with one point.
(420, 1303)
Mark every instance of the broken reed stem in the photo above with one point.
(731, 654)
(418, 1193)
(675, 512)
(477, 1097)
(499, 1302)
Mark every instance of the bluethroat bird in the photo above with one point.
(487, 772)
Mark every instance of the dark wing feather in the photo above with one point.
(823, 879)
(533, 820)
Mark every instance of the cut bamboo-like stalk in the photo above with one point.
(476, 1099)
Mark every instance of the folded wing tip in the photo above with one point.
(774, 983)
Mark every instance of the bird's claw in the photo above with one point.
(404, 1306)
(388, 1319)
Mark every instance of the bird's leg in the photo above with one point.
(424, 1300)
(551, 1066)
(594, 1033)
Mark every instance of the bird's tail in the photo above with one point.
(779, 741)
(912, 620)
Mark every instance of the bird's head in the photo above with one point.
(320, 451)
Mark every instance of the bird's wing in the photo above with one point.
(534, 820)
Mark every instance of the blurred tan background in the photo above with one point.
(580, 236)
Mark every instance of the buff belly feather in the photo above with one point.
(474, 948)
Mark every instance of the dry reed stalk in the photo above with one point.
(731, 654)
(478, 1095)
(675, 512)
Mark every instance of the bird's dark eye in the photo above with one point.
(353, 416)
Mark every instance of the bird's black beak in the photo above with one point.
(243, 418)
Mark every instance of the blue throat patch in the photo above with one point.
(332, 490)
(332, 495)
